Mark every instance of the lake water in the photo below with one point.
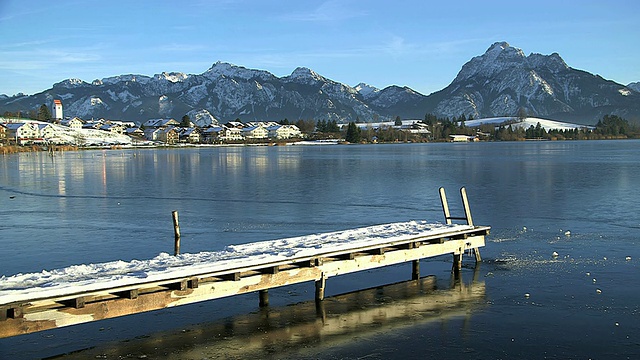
(578, 199)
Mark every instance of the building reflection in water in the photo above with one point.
(287, 331)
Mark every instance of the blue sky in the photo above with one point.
(420, 44)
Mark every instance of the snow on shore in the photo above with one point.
(92, 277)
(526, 123)
(60, 134)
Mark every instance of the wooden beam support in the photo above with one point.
(10, 312)
(128, 294)
(270, 270)
(348, 256)
(233, 276)
(76, 303)
(181, 285)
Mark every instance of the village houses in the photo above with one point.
(23, 133)
(74, 123)
(162, 130)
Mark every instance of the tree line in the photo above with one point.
(42, 114)
(609, 127)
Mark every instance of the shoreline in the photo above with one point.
(13, 149)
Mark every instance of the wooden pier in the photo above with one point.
(27, 315)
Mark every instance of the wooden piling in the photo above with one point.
(320, 284)
(264, 298)
(176, 231)
(415, 270)
(457, 263)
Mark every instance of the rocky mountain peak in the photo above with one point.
(554, 63)
(173, 77)
(70, 83)
(497, 58)
(366, 90)
(123, 78)
(305, 75)
(234, 71)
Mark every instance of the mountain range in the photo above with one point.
(501, 82)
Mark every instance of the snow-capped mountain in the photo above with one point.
(501, 82)
(225, 91)
(505, 81)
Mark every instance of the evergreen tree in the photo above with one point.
(353, 133)
(321, 126)
(522, 114)
(430, 119)
(43, 113)
(186, 121)
(306, 126)
(613, 125)
(398, 121)
(332, 126)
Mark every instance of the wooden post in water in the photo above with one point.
(320, 284)
(457, 263)
(176, 231)
(415, 270)
(264, 298)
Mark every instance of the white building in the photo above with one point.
(46, 131)
(255, 132)
(284, 132)
(462, 138)
(57, 110)
(232, 134)
(23, 133)
(75, 123)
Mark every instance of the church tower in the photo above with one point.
(57, 110)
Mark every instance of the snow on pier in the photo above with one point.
(89, 292)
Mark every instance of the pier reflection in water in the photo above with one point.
(303, 330)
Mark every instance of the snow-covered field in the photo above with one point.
(526, 123)
(93, 277)
(516, 123)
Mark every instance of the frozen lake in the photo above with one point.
(578, 199)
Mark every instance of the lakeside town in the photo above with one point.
(51, 128)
